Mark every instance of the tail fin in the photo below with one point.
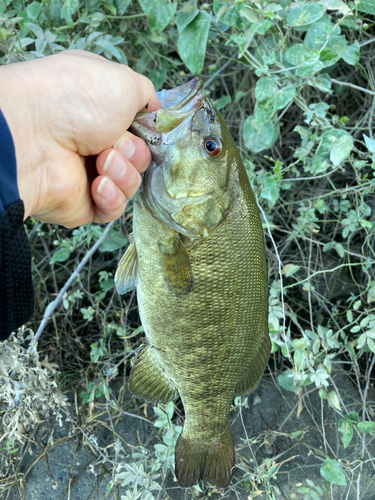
(212, 462)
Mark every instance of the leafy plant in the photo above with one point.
(294, 81)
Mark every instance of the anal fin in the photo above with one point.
(251, 378)
(148, 379)
(126, 276)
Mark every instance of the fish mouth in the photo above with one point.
(177, 105)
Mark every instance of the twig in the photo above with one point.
(215, 75)
(132, 16)
(311, 178)
(52, 306)
(127, 414)
(351, 85)
(367, 42)
(322, 272)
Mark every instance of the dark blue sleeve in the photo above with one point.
(16, 288)
(8, 169)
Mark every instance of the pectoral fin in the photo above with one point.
(176, 266)
(126, 276)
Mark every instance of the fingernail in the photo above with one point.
(106, 189)
(114, 165)
(125, 146)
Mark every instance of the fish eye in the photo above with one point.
(212, 145)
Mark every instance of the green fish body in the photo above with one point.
(197, 259)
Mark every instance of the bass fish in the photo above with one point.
(197, 258)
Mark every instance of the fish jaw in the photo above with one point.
(161, 128)
(176, 97)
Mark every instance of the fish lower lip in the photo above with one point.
(144, 127)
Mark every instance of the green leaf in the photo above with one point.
(370, 333)
(222, 102)
(113, 242)
(341, 149)
(331, 471)
(371, 344)
(366, 427)
(335, 5)
(367, 6)
(361, 341)
(340, 250)
(286, 381)
(317, 35)
(107, 284)
(33, 10)
(297, 54)
(258, 138)
(328, 57)
(121, 6)
(108, 46)
(339, 45)
(249, 14)
(299, 359)
(61, 255)
(265, 89)
(333, 400)
(159, 13)
(371, 293)
(290, 269)
(187, 13)
(370, 143)
(192, 41)
(159, 38)
(158, 76)
(346, 429)
(239, 95)
(322, 154)
(322, 394)
(314, 495)
(68, 9)
(37, 30)
(56, 9)
(305, 14)
(322, 82)
(284, 96)
(264, 111)
(318, 109)
(109, 7)
(97, 18)
(309, 68)
(271, 190)
(143, 63)
(351, 351)
(228, 15)
(353, 416)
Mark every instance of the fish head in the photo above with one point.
(191, 150)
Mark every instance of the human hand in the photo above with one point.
(63, 110)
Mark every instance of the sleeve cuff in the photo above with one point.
(16, 288)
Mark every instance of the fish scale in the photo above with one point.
(202, 297)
